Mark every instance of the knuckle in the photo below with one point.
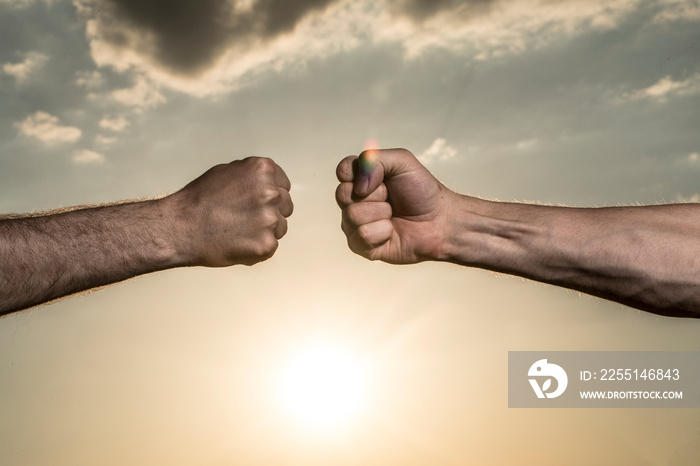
(269, 218)
(344, 169)
(282, 228)
(289, 207)
(346, 228)
(340, 195)
(358, 248)
(347, 223)
(266, 246)
(343, 194)
(353, 212)
(270, 195)
(364, 232)
(265, 165)
(259, 166)
(354, 246)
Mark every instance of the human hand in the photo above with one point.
(234, 213)
(394, 210)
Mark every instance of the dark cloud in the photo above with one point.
(280, 16)
(184, 35)
(420, 10)
(187, 37)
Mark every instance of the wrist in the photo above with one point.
(492, 235)
(460, 238)
(169, 227)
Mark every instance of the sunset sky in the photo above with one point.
(571, 102)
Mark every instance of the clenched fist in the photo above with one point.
(394, 210)
(233, 214)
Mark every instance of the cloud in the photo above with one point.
(88, 79)
(420, 10)
(667, 87)
(663, 87)
(114, 124)
(21, 3)
(492, 29)
(21, 71)
(527, 144)
(225, 47)
(105, 140)
(186, 37)
(439, 150)
(180, 35)
(692, 199)
(46, 128)
(216, 46)
(87, 156)
(678, 10)
(143, 94)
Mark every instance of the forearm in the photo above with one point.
(50, 256)
(234, 213)
(644, 257)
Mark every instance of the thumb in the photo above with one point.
(370, 172)
(375, 166)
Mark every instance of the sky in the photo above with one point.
(562, 102)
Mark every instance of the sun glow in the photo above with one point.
(324, 386)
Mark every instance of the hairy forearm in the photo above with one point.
(234, 213)
(49, 256)
(645, 257)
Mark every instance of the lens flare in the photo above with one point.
(370, 143)
(368, 158)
